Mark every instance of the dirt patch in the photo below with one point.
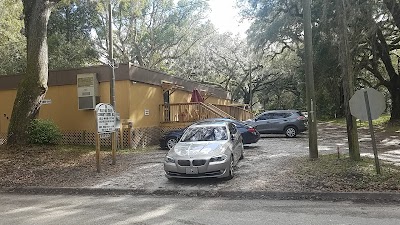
(330, 173)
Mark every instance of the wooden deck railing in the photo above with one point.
(186, 112)
(194, 111)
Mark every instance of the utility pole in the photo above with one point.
(250, 91)
(348, 84)
(112, 80)
(111, 57)
(310, 92)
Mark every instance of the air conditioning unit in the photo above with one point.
(88, 91)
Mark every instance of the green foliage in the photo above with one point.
(69, 35)
(70, 54)
(152, 33)
(12, 42)
(372, 36)
(44, 132)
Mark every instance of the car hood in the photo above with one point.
(196, 149)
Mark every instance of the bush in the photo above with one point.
(44, 132)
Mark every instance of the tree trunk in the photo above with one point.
(394, 90)
(33, 86)
(246, 97)
(394, 8)
(348, 84)
(393, 85)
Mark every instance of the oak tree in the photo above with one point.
(33, 85)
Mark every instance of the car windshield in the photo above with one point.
(205, 133)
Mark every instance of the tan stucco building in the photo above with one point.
(139, 92)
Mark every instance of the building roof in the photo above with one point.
(126, 71)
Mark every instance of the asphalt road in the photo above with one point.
(146, 210)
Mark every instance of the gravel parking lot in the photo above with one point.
(267, 166)
(263, 168)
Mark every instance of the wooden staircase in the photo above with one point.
(194, 111)
(218, 111)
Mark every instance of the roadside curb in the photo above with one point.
(366, 197)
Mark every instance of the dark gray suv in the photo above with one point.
(288, 122)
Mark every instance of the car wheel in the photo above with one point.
(230, 170)
(290, 131)
(171, 142)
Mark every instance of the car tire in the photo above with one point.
(230, 170)
(171, 142)
(290, 131)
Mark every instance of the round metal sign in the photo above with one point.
(358, 106)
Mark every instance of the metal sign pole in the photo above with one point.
(371, 130)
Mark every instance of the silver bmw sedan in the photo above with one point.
(210, 149)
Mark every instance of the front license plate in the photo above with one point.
(192, 171)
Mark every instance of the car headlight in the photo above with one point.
(169, 159)
(220, 158)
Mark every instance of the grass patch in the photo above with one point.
(329, 173)
(338, 121)
(382, 121)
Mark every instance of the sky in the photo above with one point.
(225, 17)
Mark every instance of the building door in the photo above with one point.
(167, 109)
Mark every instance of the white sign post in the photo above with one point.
(105, 121)
(368, 104)
(105, 117)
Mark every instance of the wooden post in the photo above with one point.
(130, 137)
(98, 152)
(310, 92)
(113, 144)
(121, 136)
